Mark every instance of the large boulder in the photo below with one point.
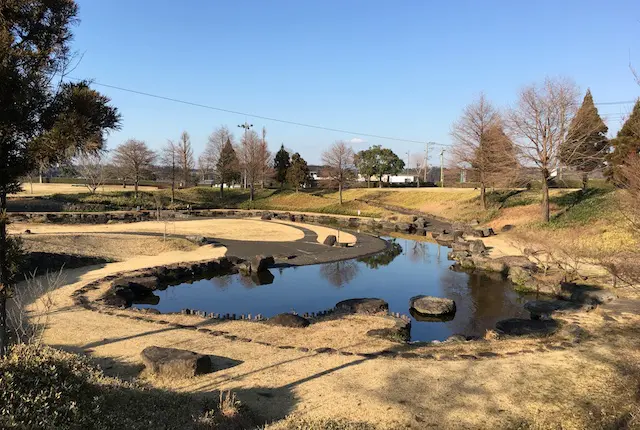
(545, 309)
(405, 227)
(588, 294)
(477, 246)
(520, 276)
(363, 306)
(489, 264)
(198, 240)
(261, 263)
(460, 245)
(400, 332)
(421, 223)
(523, 327)
(288, 320)
(266, 216)
(175, 363)
(433, 306)
(330, 240)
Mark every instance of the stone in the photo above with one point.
(520, 276)
(198, 240)
(363, 306)
(330, 240)
(420, 232)
(460, 246)
(488, 231)
(405, 227)
(261, 263)
(288, 320)
(588, 294)
(544, 309)
(401, 332)
(266, 216)
(27, 231)
(507, 227)
(432, 306)
(175, 363)
(489, 264)
(421, 223)
(523, 327)
(477, 246)
(519, 261)
(115, 301)
(456, 338)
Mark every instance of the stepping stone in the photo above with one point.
(175, 363)
(523, 327)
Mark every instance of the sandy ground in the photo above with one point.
(39, 190)
(236, 229)
(240, 229)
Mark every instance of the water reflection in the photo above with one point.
(415, 268)
(340, 273)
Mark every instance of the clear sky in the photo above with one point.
(398, 68)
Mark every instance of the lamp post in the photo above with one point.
(246, 126)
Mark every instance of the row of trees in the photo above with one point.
(548, 128)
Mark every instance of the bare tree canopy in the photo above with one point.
(186, 160)
(134, 158)
(339, 165)
(216, 142)
(481, 144)
(91, 168)
(540, 122)
(586, 144)
(169, 158)
(254, 159)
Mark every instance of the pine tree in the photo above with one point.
(281, 164)
(626, 143)
(298, 174)
(228, 166)
(586, 144)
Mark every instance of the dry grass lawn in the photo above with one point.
(40, 190)
(593, 385)
(114, 247)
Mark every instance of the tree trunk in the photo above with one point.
(368, 182)
(173, 191)
(380, 181)
(221, 189)
(251, 192)
(135, 188)
(585, 181)
(545, 196)
(4, 276)
(483, 196)
(340, 192)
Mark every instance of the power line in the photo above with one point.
(616, 103)
(266, 118)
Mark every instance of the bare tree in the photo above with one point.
(338, 162)
(186, 160)
(254, 155)
(481, 145)
(213, 148)
(91, 167)
(169, 159)
(266, 159)
(541, 121)
(134, 158)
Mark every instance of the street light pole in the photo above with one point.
(246, 126)
(442, 168)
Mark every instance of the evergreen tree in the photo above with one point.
(281, 164)
(379, 161)
(298, 173)
(626, 143)
(365, 162)
(586, 144)
(39, 120)
(228, 166)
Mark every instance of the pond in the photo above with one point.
(413, 268)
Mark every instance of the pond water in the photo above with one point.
(414, 268)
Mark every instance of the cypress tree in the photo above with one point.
(586, 144)
(281, 163)
(626, 143)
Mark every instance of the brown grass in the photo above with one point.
(40, 190)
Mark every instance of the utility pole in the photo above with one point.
(426, 161)
(246, 127)
(442, 168)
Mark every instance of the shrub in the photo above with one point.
(44, 388)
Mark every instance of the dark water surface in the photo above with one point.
(419, 268)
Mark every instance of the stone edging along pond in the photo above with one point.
(147, 279)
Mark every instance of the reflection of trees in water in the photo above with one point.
(383, 258)
(339, 273)
(419, 252)
(222, 282)
(482, 299)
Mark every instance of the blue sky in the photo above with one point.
(404, 69)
